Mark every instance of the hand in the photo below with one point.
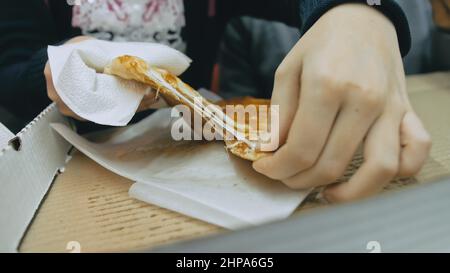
(146, 102)
(341, 85)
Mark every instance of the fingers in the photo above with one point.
(381, 154)
(286, 94)
(307, 136)
(415, 144)
(348, 132)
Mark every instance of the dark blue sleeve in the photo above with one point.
(23, 90)
(312, 10)
(24, 33)
(26, 28)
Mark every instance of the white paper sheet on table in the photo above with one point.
(195, 178)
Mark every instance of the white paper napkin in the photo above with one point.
(100, 98)
(195, 178)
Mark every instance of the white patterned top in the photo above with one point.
(158, 21)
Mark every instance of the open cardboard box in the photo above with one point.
(53, 200)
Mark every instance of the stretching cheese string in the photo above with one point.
(217, 120)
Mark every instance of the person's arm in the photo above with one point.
(26, 28)
(286, 11)
(22, 90)
(304, 13)
(312, 10)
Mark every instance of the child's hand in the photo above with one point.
(341, 85)
(146, 102)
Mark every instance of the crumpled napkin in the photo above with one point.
(104, 99)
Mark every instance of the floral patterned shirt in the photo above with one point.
(158, 21)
